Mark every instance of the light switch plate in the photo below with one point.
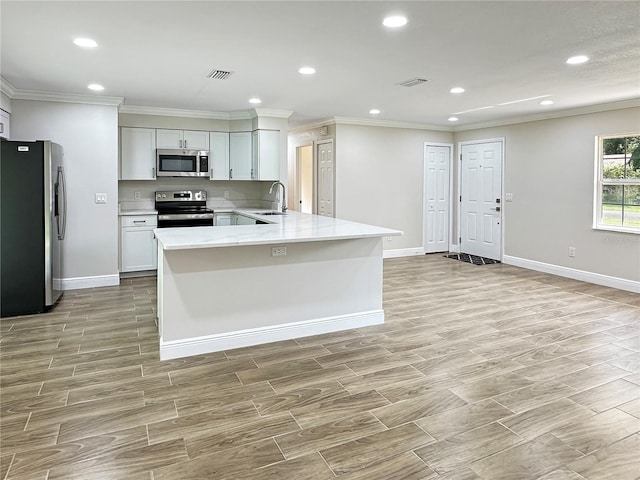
(101, 198)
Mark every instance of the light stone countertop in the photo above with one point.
(294, 227)
(123, 213)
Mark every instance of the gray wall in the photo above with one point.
(549, 168)
(89, 135)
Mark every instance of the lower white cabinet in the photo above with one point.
(138, 245)
(5, 124)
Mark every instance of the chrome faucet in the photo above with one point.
(284, 195)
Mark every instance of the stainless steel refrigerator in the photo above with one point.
(33, 217)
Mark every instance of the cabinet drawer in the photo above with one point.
(139, 220)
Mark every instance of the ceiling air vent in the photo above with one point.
(219, 74)
(412, 82)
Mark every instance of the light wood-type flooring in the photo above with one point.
(479, 372)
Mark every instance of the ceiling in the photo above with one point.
(158, 54)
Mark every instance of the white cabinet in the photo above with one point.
(223, 219)
(241, 166)
(219, 155)
(5, 124)
(138, 245)
(265, 148)
(137, 153)
(191, 139)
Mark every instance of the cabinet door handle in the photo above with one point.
(1, 127)
(231, 173)
(211, 173)
(139, 221)
(180, 143)
(153, 172)
(252, 173)
(185, 144)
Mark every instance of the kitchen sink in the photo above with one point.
(269, 213)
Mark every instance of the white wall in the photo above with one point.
(549, 168)
(89, 136)
(5, 103)
(379, 178)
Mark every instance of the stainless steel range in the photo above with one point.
(185, 208)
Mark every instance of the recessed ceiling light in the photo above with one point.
(307, 70)
(96, 87)
(457, 90)
(85, 42)
(453, 119)
(395, 21)
(546, 102)
(255, 100)
(577, 59)
(374, 111)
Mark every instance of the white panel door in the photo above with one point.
(481, 194)
(326, 179)
(436, 198)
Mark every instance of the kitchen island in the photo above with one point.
(225, 287)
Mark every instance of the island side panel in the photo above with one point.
(237, 296)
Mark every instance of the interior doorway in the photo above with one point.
(481, 198)
(305, 179)
(437, 199)
(325, 178)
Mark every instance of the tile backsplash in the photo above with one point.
(240, 194)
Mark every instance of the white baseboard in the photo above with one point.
(402, 252)
(90, 282)
(590, 277)
(256, 336)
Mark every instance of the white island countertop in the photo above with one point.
(293, 227)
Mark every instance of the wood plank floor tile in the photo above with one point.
(546, 418)
(241, 434)
(608, 395)
(527, 460)
(598, 431)
(562, 473)
(619, 461)
(534, 395)
(467, 447)
(278, 370)
(302, 380)
(339, 407)
(226, 464)
(461, 419)
(552, 369)
(490, 387)
(308, 467)
(406, 466)
(632, 407)
(398, 391)
(363, 383)
(430, 403)
(357, 454)
(330, 434)
(275, 403)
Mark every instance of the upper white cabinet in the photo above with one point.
(137, 153)
(266, 153)
(191, 139)
(5, 124)
(219, 155)
(241, 166)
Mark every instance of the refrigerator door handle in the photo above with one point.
(61, 183)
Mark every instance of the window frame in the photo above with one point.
(599, 182)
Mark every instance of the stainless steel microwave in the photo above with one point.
(182, 163)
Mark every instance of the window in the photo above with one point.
(617, 205)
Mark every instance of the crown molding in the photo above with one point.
(7, 88)
(16, 94)
(568, 112)
(173, 112)
(272, 112)
(370, 122)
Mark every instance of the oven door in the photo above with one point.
(169, 220)
(177, 163)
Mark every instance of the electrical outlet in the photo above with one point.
(278, 251)
(136, 195)
(389, 239)
(572, 251)
(101, 198)
(508, 197)
(226, 194)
